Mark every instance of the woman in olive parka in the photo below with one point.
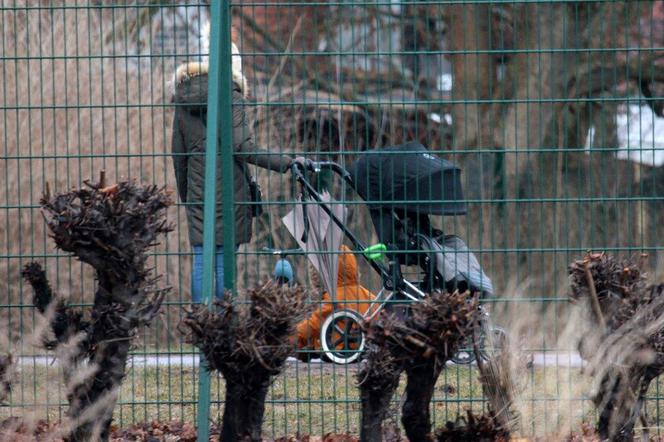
(189, 141)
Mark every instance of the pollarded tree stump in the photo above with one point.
(248, 345)
(109, 228)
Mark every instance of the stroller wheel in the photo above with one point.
(465, 355)
(493, 342)
(342, 338)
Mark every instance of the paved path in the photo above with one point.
(188, 360)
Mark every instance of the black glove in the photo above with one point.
(304, 163)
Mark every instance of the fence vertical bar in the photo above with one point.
(227, 159)
(219, 127)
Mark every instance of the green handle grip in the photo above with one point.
(375, 252)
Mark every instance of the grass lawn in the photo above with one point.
(316, 398)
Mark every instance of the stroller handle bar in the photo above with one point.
(318, 166)
(297, 171)
(282, 252)
(331, 165)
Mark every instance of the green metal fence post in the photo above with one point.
(227, 159)
(219, 128)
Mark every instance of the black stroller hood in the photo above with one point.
(410, 178)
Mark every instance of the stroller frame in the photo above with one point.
(358, 245)
(347, 323)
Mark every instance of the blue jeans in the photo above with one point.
(197, 274)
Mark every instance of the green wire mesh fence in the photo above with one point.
(551, 109)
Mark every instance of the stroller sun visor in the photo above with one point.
(409, 177)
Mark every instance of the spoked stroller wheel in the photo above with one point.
(342, 338)
(491, 342)
(465, 354)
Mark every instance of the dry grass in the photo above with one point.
(64, 120)
(327, 399)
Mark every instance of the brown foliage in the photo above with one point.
(618, 285)
(434, 328)
(66, 321)
(473, 428)
(155, 430)
(234, 336)
(625, 350)
(248, 344)
(109, 228)
(420, 345)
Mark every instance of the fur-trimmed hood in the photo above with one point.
(188, 71)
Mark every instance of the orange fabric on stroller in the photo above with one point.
(350, 295)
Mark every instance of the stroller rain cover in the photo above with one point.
(410, 178)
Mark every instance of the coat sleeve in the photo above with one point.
(180, 161)
(243, 141)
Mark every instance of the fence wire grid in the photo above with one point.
(551, 109)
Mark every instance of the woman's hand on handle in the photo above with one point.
(303, 164)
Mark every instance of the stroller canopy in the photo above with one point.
(410, 178)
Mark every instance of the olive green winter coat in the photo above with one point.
(189, 142)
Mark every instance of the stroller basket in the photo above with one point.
(409, 178)
(455, 262)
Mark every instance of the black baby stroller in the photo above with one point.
(402, 186)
